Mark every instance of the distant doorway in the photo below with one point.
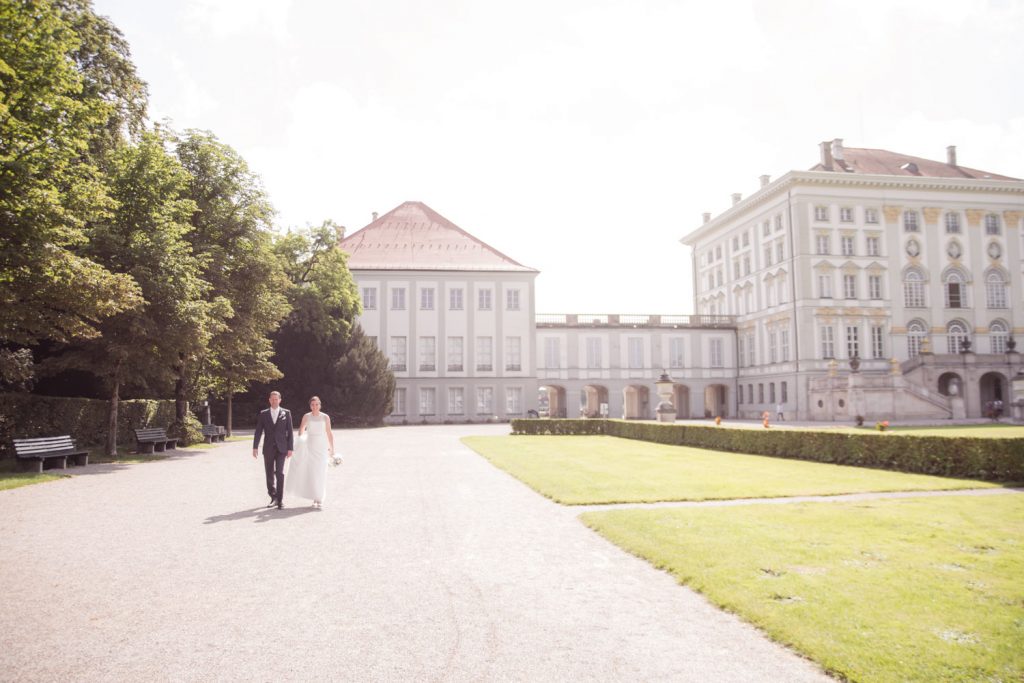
(636, 402)
(592, 398)
(716, 401)
(554, 397)
(681, 400)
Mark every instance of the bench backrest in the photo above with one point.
(211, 429)
(48, 444)
(154, 433)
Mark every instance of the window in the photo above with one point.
(771, 392)
(455, 299)
(675, 352)
(398, 353)
(822, 243)
(992, 224)
(821, 213)
(514, 353)
(778, 223)
(398, 299)
(828, 343)
(873, 244)
(769, 294)
(780, 287)
(455, 354)
(784, 398)
(739, 395)
(513, 400)
(760, 393)
(593, 352)
(871, 216)
(484, 401)
(718, 277)
(369, 298)
(845, 215)
(740, 339)
(913, 290)
(428, 397)
(852, 341)
(456, 401)
(773, 349)
(910, 221)
(746, 238)
(916, 332)
(398, 404)
(995, 290)
(955, 291)
(850, 286)
(735, 243)
(877, 341)
(766, 228)
(484, 299)
(746, 265)
(552, 353)
(751, 349)
(956, 333)
(736, 270)
(847, 245)
(717, 356)
(636, 352)
(750, 392)
(512, 299)
(485, 353)
(718, 253)
(875, 286)
(997, 336)
(780, 251)
(768, 255)
(427, 299)
(952, 222)
(825, 286)
(428, 354)
(783, 346)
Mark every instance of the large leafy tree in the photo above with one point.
(361, 382)
(65, 83)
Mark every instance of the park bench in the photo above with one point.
(153, 439)
(214, 433)
(33, 454)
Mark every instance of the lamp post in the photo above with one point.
(663, 387)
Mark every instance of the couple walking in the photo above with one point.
(307, 472)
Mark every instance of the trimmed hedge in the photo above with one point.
(974, 458)
(26, 416)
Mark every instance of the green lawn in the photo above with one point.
(886, 590)
(578, 470)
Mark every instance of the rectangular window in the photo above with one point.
(398, 299)
(995, 291)
(740, 350)
(778, 223)
(427, 299)
(825, 286)
(771, 392)
(877, 341)
(850, 286)
(746, 266)
(456, 401)
(780, 288)
(871, 216)
(852, 341)
(784, 397)
(484, 401)
(455, 354)
(913, 293)
(636, 352)
(717, 356)
(875, 286)
(847, 245)
(735, 270)
(992, 224)
(513, 400)
(768, 255)
(773, 349)
(512, 299)
(739, 395)
(514, 353)
(822, 244)
(369, 298)
(845, 215)
(821, 213)
(398, 404)
(780, 251)
(718, 277)
(910, 221)
(485, 354)
(735, 243)
(828, 342)
(760, 393)
(428, 354)
(428, 398)
(746, 238)
(399, 352)
(751, 349)
(593, 352)
(952, 223)
(455, 299)
(484, 299)
(552, 353)
(675, 352)
(783, 345)
(766, 228)
(718, 253)
(769, 294)
(872, 244)
(954, 295)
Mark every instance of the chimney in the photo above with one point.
(736, 197)
(826, 155)
(837, 149)
(374, 215)
(707, 216)
(951, 155)
(765, 179)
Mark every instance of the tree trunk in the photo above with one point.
(180, 396)
(228, 428)
(112, 421)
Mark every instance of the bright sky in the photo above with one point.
(582, 138)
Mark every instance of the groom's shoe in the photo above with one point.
(272, 503)
(280, 505)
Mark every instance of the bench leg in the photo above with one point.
(31, 465)
(82, 460)
(171, 446)
(209, 438)
(60, 463)
(159, 447)
(146, 448)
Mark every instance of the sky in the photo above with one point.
(581, 138)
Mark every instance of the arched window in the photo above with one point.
(916, 332)
(956, 333)
(913, 289)
(998, 333)
(995, 290)
(910, 221)
(952, 222)
(956, 292)
(992, 224)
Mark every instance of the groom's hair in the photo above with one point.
(276, 392)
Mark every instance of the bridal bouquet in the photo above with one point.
(335, 460)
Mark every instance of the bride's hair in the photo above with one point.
(314, 398)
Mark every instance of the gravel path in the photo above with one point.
(426, 564)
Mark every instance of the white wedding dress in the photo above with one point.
(307, 471)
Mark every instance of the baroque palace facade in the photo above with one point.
(874, 284)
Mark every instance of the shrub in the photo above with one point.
(976, 458)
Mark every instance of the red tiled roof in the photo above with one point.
(884, 162)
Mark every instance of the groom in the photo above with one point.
(277, 446)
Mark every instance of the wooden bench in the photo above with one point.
(150, 440)
(214, 433)
(33, 454)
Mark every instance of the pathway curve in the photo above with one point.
(427, 564)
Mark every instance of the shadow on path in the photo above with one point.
(260, 514)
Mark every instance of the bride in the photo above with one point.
(307, 473)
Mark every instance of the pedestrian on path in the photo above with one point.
(277, 446)
(778, 413)
(307, 473)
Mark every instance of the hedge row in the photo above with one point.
(975, 458)
(26, 416)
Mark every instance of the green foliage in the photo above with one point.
(188, 432)
(362, 382)
(979, 458)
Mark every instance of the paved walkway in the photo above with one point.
(426, 564)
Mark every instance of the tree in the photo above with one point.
(361, 381)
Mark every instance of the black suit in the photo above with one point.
(280, 438)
